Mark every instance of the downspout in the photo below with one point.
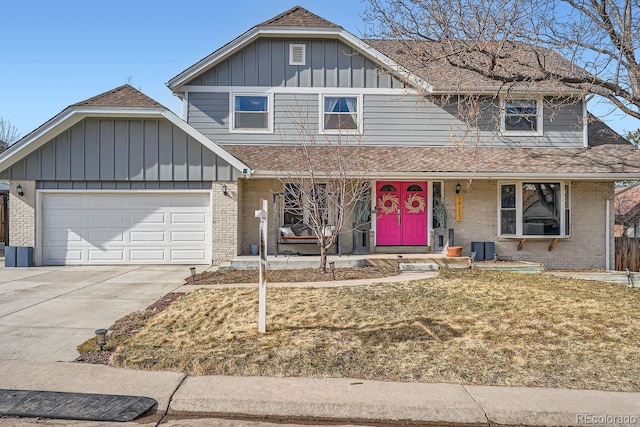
(608, 223)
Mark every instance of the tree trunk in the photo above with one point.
(323, 258)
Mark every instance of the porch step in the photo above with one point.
(418, 266)
(402, 249)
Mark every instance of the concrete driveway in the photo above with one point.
(45, 312)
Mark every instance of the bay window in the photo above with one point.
(536, 209)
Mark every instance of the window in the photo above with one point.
(251, 113)
(534, 209)
(297, 54)
(521, 117)
(340, 114)
(304, 207)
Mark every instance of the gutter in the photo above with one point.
(608, 223)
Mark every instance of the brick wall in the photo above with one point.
(22, 214)
(585, 249)
(225, 220)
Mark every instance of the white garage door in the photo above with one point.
(125, 228)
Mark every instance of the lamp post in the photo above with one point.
(101, 338)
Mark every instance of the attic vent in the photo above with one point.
(297, 54)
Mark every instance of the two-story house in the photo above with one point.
(120, 179)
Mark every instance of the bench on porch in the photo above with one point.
(300, 234)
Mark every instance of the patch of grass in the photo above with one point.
(470, 327)
(293, 276)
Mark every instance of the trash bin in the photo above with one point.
(10, 256)
(489, 251)
(478, 248)
(24, 256)
(254, 249)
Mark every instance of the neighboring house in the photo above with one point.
(627, 211)
(120, 179)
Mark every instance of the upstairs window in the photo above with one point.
(521, 117)
(251, 113)
(341, 114)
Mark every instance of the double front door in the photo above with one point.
(401, 213)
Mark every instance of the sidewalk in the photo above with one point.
(336, 401)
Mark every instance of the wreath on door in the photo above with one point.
(388, 204)
(414, 204)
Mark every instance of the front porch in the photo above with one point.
(293, 262)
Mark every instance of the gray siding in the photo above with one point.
(123, 185)
(108, 150)
(265, 62)
(388, 120)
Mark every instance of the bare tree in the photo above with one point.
(574, 46)
(8, 134)
(323, 188)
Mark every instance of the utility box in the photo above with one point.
(489, 251)
(24, 256)
(10, 256)
(478, 248)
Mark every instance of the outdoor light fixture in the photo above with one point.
(101, 338)
(399, 261)
(193, 275)
(19, 189)
(630, 278)
(332, 266)
(224, 190)
(458, 188)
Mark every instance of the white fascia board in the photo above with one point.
(175, 84)
(215, 148)
(436, 176)
(21, 149)
(299, 90)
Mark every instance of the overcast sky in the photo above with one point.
(57, 53)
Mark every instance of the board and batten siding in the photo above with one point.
(388, 120)
(117, 151)
(329, 63)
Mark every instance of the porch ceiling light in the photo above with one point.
(101, 338)
(19, 190)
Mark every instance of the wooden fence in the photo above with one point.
(627, 253)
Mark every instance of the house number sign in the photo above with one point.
(459, 208)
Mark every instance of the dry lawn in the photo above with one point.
(470, 327)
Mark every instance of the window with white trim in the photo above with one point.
(521, 117)
(341, 114)
(534, 209)
(251, 113)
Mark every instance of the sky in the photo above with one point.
(57, 53)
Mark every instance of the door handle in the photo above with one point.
(398, 214)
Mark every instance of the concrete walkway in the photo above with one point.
(336, 401)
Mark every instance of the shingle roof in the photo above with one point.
(428, 61)
(298, 17)
(610, 154)
(124, 96)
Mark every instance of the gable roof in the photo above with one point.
(121, 102)
(122, 96)
(294, 23)
(611, 157)
(298, 17)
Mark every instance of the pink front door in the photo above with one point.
(402, 213)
